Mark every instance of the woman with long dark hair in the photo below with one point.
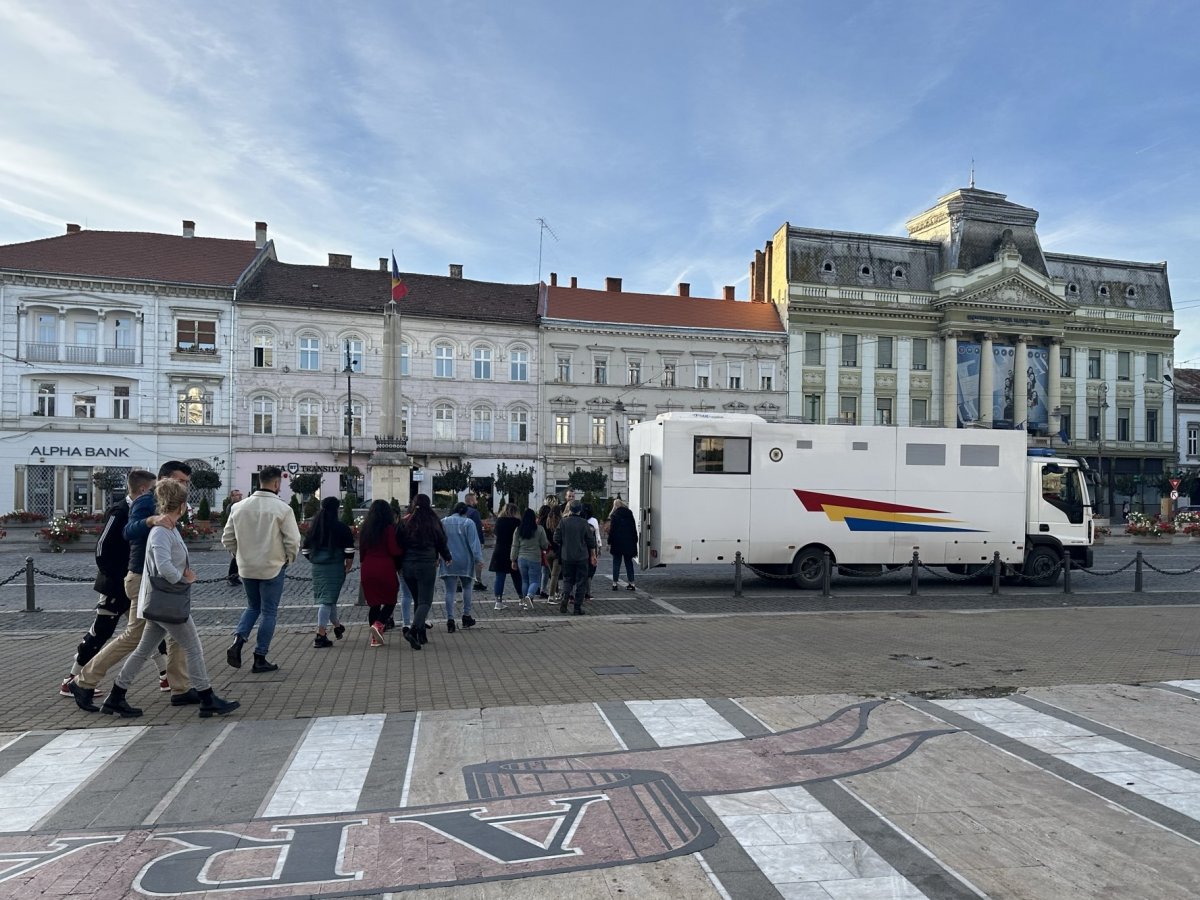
(380, 558)
(424, 542)
(553, 520)
(329, 546)
(506, 525)
(527, 546)
(623, 542)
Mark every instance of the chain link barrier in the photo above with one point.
(1154, 568)
(951, 576)
(1107, 574)
(78, 579)
(13, 577)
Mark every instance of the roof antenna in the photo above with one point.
(972, 185)
(543, 227)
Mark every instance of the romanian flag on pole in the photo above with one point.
(398, 287)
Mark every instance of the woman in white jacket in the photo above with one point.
(167, 558)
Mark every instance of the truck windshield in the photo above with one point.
(1064, 490)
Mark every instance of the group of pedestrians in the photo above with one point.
(141, 530)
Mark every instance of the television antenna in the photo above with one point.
(543, 227)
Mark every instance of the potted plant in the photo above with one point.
(68, 532)
(1188, 524)
(206, 481)
(1148, 530)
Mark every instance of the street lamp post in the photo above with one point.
(349, 369)
(1100, 446)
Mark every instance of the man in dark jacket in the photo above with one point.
(112, 564)
(577, 543)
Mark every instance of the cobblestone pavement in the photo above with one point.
(1028, 745)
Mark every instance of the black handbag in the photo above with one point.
(169, 602)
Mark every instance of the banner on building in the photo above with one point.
(1007, 379)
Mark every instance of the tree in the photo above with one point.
(206, 480)
(348, 505)
(107, 481)
(306, 484)
(204, 513)
(588, 481)
(455, 477)
(294, 503)
(1126, 486)
(516, 485)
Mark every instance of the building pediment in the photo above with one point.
(69, 298)
(563, 400)
(1010, 293)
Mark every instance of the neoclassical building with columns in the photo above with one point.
(967, 322)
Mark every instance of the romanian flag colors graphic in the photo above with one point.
(875, 515)
(399, 288)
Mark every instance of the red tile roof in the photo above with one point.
(369, 290)
(134, 255)
(622, 308)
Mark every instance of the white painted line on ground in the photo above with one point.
(169, 797)
(1141, 773)
(1192, 685)
(34, 788)
(412, 759)
(616, 735)
(673, 723)
(329, 768)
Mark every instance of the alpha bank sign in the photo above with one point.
(81, 452)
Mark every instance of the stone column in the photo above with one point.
(950, 379)
(1054, 379)
(1021, 383)
(987, 380)
(389, 466)
(101, 337)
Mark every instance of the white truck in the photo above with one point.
(705, 486)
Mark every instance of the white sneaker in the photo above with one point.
(499, 605)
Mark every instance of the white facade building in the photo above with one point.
(114, 354)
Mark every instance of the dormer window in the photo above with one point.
(827, 266)
(898, 272)
(1131, 292)
(1073, 288)
(865, 270)
(1104, 290)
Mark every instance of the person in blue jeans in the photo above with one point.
(262, 534)
(466, 553)
(528, 544)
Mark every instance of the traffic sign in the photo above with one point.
(1174, 495)
(1174, 482)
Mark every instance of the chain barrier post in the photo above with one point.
(913, 580)
(996, 572)
(826, 573)
(30, 595)
(1066, 564)
(1137, 574)
(737, 574)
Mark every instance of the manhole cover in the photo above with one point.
(616, 670)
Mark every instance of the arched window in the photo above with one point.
(482, 364)
(443, 422)
(353, 421)
(352, 354)
(310, 352)
(264, 350)
(308, 417)
(518, 425)
(518, 364)
(443, 361)
(262, 414)
(481, 423)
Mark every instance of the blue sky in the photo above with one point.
(662, 141)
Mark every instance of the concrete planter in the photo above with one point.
(1159, 539)
(86, 544)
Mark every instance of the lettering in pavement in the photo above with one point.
(527, 817)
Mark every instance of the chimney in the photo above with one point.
(189, 228)
(456, 270)
(260, 235)
(339, 260)
(729, 292)
(383, 266)
(72, 228)
(574, 280)
(685, 289)
(553, 279)
(612, 284)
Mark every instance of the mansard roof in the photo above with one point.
(662, 310)
(1187, 385)
(134, 256)
(369, 290)
(818, 256)
(1148, 281)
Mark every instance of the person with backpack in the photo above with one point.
(329, 546)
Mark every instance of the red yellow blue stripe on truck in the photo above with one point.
(875, 515)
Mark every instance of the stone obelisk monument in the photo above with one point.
(390, 466)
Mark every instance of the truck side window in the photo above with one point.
(1061, 491)
(721, 455)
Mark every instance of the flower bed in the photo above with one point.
(21, 517)
(64, 530)
(1141, 525)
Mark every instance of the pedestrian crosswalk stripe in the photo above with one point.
(327, 772)
(40, 784)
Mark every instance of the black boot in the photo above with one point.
(84, 697)
(261, 664)
(233, 655)
(189, 697)
(468, 621)
(212, 705)
(424, 635)
(115, 705)
(414, 637)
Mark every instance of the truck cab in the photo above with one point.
(1058, 515)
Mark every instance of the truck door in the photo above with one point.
(646, 541)
(1061, 506)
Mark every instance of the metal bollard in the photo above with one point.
(912, 585)
(996, 572)
(826, 573)
(1137, 574)
(30, 597)
(737, 574)
(1066, 563)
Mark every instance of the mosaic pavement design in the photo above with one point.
(724, 795)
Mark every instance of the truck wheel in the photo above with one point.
(1041, 567)
(807, 568)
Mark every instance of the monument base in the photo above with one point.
(391, 476)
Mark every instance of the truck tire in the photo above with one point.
(1041, 568)
(807, 568)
